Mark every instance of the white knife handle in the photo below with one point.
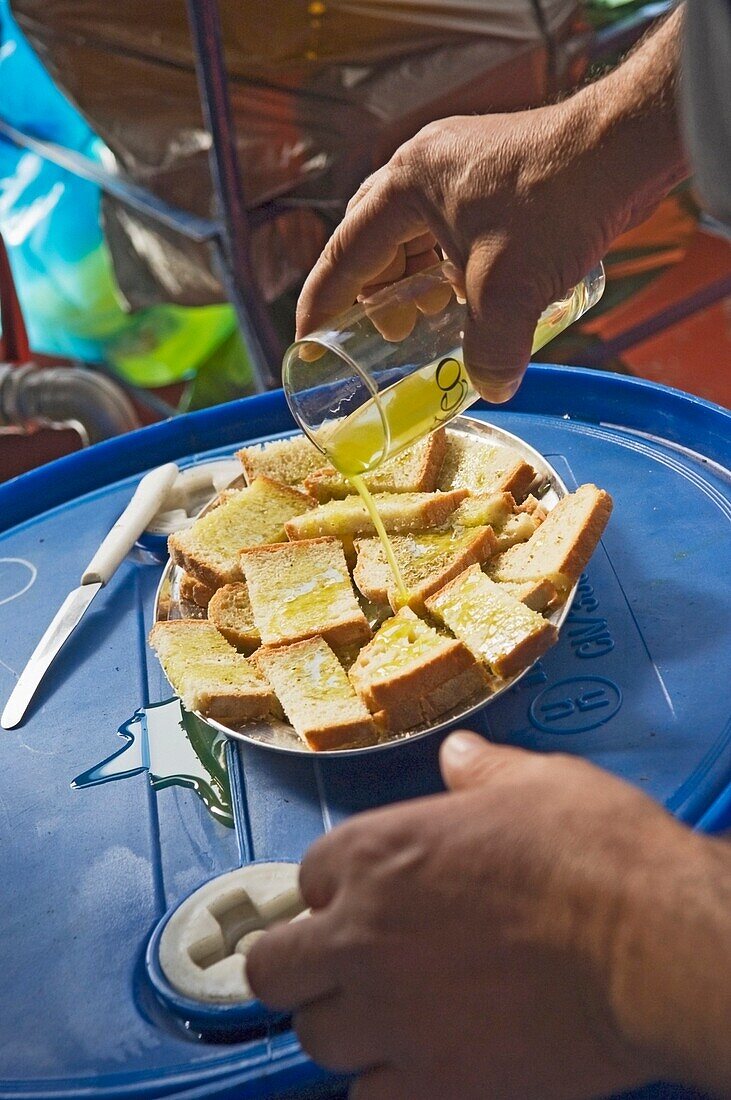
(146, 502)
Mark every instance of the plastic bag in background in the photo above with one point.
(322, 92)
(61, 263)
(602, 13)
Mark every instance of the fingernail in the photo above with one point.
(461, 745)
(500, 393)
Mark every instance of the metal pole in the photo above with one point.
(239, 278)
(131, 194)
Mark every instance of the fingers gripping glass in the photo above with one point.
(391, 369)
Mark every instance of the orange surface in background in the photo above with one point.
(693, 354)
(671, 225)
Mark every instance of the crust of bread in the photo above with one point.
(497, 628)
(563, 543)
(194, 591)
(533, 507)
(484, 509)
(236, 709)
(316, 695)
(415, 470)
(230, 612)
(177, 644)
(372, 573)
(302, 589)
(232, 524)
(517, 528)
(537, 595)
(460, 690)
(443, 674)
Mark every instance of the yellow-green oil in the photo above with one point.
(176, 749)
(407, 411)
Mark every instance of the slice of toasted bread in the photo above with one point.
(194, 591)
(497, 628)
(399, 512)
(511, 523)
(471, 463)
(484, 510)
(516, 528)
(410, 674)
(347, 653)
(302, 589)
(533, 507)
(208, 674)
(287, 460)
(562, 545)
(209, 550)
(537, 595)
(415, 470)
(426, 560)
(230, 612)
(316, 695)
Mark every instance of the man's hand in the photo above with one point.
(523, 205)
(500, 940)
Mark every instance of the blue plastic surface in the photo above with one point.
(90, 872)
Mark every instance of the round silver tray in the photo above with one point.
(280, 736)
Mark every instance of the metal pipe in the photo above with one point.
(33, 397)
(137, 198)
(238, 275)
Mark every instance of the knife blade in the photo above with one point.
(147, 500)
(66, 618)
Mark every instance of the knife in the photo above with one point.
(147, 500)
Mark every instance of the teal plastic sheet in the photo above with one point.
(52, 225)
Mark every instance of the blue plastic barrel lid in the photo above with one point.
(638, 683)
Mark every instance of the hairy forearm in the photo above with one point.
(671, 985)
(633, 123)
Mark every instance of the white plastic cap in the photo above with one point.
(204, 944)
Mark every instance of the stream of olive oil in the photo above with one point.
(409, 409)
(362, 490)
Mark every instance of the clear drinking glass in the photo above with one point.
(391, 369)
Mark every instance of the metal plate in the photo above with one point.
(280, 736)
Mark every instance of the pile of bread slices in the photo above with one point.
(304, 616)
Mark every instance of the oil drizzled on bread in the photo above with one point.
(447, 611)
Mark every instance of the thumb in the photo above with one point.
(468, 760)
(499, 329)
(496, 356)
